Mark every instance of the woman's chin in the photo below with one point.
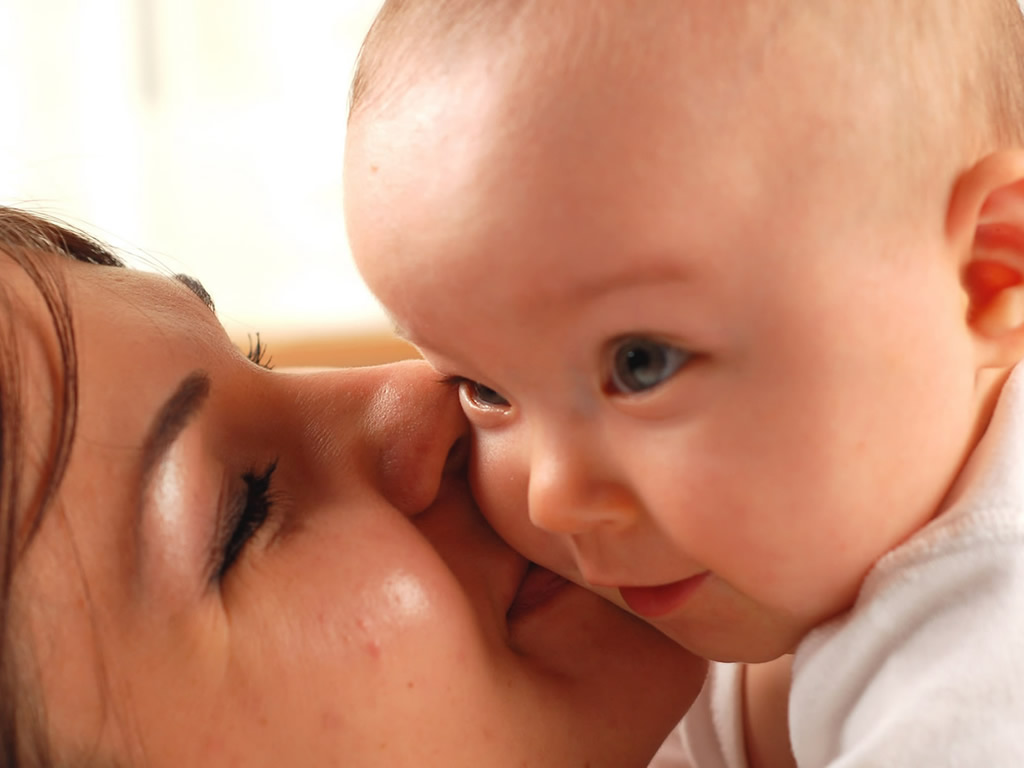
(624, 674)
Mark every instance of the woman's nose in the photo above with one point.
(396, 430)
(417, 430)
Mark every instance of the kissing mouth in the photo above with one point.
(653, 602)
(538, 586)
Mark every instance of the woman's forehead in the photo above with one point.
(179, 299)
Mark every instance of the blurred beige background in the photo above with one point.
(200, 136)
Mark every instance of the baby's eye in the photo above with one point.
(639, 364)
(481, 395)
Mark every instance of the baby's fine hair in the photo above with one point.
(958, 64)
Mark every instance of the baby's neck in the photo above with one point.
(990, 387)
(766, 713)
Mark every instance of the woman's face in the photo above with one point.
(246, 567)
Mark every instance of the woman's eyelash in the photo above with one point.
(247, 515)
(258, 353)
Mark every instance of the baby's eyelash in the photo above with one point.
(451, 380)
(258, 353)
(474, 390)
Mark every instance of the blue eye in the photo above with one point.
(639, 364)
(483, 396)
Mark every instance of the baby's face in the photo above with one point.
(708, 370)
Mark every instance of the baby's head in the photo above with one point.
(731, 286)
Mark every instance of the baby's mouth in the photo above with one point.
(652, 602)
(538, 586)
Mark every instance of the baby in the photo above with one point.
(733, 292)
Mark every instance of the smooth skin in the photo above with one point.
(702, 336)
(363, 624)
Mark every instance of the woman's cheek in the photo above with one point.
(355, 649)
(357, 592)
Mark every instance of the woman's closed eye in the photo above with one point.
(259, 354)
(247, 514)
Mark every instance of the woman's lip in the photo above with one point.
(537, 587)
(652, 602)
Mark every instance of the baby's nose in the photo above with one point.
(570, 489)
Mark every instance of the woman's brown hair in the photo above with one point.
(35, 244)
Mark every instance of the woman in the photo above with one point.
(209, 563)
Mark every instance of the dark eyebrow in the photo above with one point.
(197, 288)
(172, 418)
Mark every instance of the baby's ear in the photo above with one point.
(986, 216)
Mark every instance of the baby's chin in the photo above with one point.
(752, 638)
(709, 618)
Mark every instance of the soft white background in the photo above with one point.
(204, 136)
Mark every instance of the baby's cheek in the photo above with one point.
(500, 474)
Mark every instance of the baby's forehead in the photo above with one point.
(791, 89)
(725, 58)
(767, 78)
(911, 47)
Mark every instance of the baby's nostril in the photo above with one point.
(458, 455)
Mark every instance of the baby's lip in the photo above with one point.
(537, 587)
(655, 601)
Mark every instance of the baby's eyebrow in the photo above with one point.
(666, 271)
